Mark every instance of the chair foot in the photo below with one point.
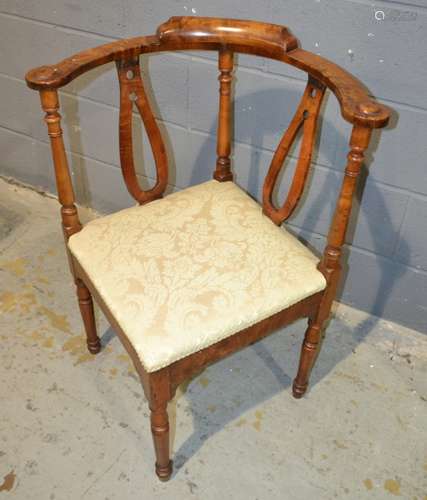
(298, 391)
(94, 346)
(164, 472)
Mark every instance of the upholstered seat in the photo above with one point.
(188, 270)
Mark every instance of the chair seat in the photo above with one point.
(184, 272)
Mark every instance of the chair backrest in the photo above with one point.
(226, 36)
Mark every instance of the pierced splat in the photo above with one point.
(132, 91)
(306, 118)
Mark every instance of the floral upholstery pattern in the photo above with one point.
(184, 272)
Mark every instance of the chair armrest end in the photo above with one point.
(45, 77)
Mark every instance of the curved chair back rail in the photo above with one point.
(198, 33)
(226, 36)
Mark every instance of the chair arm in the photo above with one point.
(357, 106)
(58, 75)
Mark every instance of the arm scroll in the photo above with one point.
(58, 75)
(357, 106)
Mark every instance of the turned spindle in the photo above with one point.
(223, 164)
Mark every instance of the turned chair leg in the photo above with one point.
(88, 316)
(160, 432)
(308, 356)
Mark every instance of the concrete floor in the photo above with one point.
(75, 426)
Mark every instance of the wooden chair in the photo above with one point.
(188, 279)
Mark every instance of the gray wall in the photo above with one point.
(387, 260)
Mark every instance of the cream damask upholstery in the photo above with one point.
(182, 273)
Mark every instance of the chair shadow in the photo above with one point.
(107, 336)
(270, 117)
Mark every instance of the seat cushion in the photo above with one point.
(184, 272)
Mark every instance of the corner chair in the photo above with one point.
(190, 278)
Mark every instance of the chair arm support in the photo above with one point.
(70, 219)
(357, 106)
(330, 262)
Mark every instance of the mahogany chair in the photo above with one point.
(188, 279)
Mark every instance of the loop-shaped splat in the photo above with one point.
(132, 91)
(305, 117)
